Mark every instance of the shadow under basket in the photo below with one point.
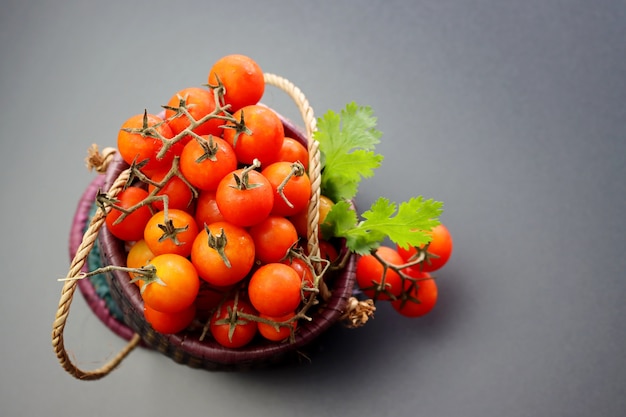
(187, 347)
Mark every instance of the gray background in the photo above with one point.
(511, 112)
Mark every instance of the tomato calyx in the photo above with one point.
(234, 317)
(243, 182)
(170, 231)
(218, 242)
(239, 127)
(209, 149)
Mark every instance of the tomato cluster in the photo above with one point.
(215, 213)
(403, 277)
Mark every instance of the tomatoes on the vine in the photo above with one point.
(438, 252)
(244, 197)
(223, 253)
(374, 279)
(301, 220)
(137, 142)
(205, 161)
(197, 102)
(421, 295)
(274, 289)
(229, 328)
(130, 228)
(242, 79)
(265, 138)
(173, 286)
(179, 195)
(173, 233)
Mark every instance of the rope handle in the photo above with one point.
(91, 234)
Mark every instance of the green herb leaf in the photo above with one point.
(347, 142)
(405, 225)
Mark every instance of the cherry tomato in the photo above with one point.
(296, 191)
(231, 330)
(303, 269)
(131, 227)
(205, 162)
(199, 102)
(274, 289)
(244, 198)
(266, 137)
(273, 238)
(172, 235)
(421, 296)
(169, 323)
(440, 246)
(242, 79)
(300, 219)
(139, 255)
(369, 275)
(175, 285)
(179, 195)
(225, 256)
(293, 151)
(207, 211)
(273, 334)
(137, 145)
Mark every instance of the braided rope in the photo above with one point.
(315, 164)
(67, 295)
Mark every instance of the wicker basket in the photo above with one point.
(187, 347)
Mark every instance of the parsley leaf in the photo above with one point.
(405, 225)
(347, 142)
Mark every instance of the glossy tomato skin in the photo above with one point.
(423, 295)
(139, 255)
(134, 146)
(179, 242)
(303, 270)
(207, 211)
(242, 78)
(131, 227)
(369, 274)
(239, 251)
(199, 102)
(293, 151)
(179, 195)
(204, 172)
(244, 329)
(297, 189)
(273, 238)
(266, 138)
(169, 323)
(245, 207)
(181, 284)
(441, 246)
(274, 289)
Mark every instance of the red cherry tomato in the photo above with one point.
(130, 228)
